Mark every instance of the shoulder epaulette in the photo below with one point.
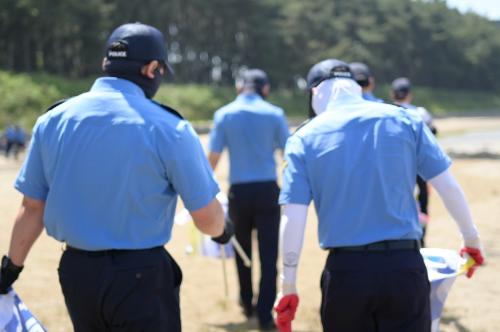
(169, 109)
(301, 125)
(57, 103)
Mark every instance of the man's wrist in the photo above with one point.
(9, 273)
(8, 265)
(226, 235)
(473, 242)
(289, 274)
(287, 288)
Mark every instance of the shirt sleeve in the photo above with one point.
(217, 141)
(31, 180)
(283, 132)
(292, 226)
(431, 160)
(189, 172)
(295, 187)
(455, 202)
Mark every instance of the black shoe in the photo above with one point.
(269, 326)
(248, 310)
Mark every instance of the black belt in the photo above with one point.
(97, 253)
(381, 246)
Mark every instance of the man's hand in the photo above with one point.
(423, 219)
(285, 312)
(476, 255)
(8, 274)
(472, 248)
(27, 228)
(226, 235)
(285, 308)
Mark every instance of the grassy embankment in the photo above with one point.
(24, 97)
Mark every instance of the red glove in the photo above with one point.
(285, 310)
(476, 255)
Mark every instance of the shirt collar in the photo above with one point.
(408, 105)
(248, 96)
(115, 84)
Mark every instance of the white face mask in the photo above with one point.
(332, 90)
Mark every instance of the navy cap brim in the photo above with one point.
(327, 69)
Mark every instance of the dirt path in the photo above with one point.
(473, 305)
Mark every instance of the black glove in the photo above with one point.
(225, 237)
(8, 274)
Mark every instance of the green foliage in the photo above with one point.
(25, 97)
(199, 102)
(210, 41)
(195, 102)
(447, 102)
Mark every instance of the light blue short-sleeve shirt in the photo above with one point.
(358, 162)
(251, 129)
(109, 165)
(371, 97)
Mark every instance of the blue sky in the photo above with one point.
(488, 8)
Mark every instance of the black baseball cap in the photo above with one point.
(400, 87)
(401, 84)
(138, 42)
(361, 73)
(327, 69)
(253, 78)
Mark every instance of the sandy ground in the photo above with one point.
(473, 305)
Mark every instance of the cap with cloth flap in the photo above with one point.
(137, 42)
(327, 69)
(401, 87)
(361, 73)
(253, 78)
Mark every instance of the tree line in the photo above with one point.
(209, 41)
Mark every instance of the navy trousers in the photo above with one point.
(423, 202)
(375, 291)
(121, 290)
(255, 206)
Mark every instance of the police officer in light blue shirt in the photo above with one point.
(252, 129)
(364, 77)
(15, 139)
(103, 174)
(401, 95)
(357, 160)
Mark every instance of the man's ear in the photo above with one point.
(371, 81)
(148, 70)
(103, 65)
(265, 90)
(409, 97)
(314, 90)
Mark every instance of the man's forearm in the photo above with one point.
(210, 219)
(293, 222)
(455, 202)
(27, 228)
(213, 159)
